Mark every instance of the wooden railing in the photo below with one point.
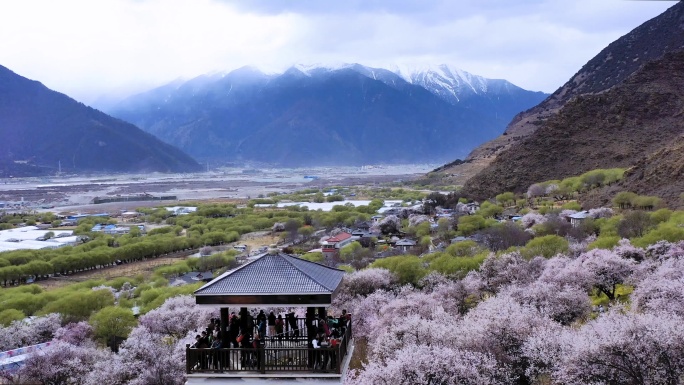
(269, 358)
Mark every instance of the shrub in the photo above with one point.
(546, 246)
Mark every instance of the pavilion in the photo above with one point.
(273, 280)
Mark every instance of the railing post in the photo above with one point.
(339, 359)
(262, 359)
(287, 327)
(310, 334)
(187, 359)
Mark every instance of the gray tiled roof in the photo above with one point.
(406, 242)
(275, 274)
(579, 215)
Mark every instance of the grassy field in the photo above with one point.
(126, 270)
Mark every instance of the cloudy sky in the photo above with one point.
(89, 49)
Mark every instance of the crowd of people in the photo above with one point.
(250, 333)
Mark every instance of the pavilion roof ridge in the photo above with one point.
(274, 274)
(288, 259)
(227, 273)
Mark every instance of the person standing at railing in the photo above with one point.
(271, 325)
(293, 324)
(332, 322)
(334, 344)
(261, 323)
(342, 321)
(202, 342)
(325, 353)
(217, 361)
(245, 341)
(246, 323)
(215, 333)
(258, 344)
(233, 331)
(278, 327)
(316, 353)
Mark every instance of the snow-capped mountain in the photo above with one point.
(450, 83)
(344, 113)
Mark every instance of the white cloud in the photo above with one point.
(88, 48)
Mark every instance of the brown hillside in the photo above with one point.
(660, 174)
(648, 42)
(615, 128)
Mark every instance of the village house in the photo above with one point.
(576, 219)
(468, 208)
(331, 246)
(405, 244)
(114, 229)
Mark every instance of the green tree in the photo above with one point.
(488, 209)
(444, 229)
(305, 232)
(594, 178)
(572, 206)
(667, 231)
(634, 224)
(112, 321)
(424, 243)
(314, 257)
(349, 252)
(134, 232)
(449, 265)
(505, 198)
(9, 315)
(624, 199)
(647, 202)
(468, 224)
(463, 249)
(36, 268)
(662, 215)
(422, 229)
(409, 269)
(604, 242)
(546, 246)
(79, 305)
(215, 238)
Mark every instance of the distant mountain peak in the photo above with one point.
(446, 81)
(309, 69)
(342, 111)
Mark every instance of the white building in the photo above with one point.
(31, 238)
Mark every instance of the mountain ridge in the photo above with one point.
(627, 113)
(597, 75)
(44, 129)
(234, 116)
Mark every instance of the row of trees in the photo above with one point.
(77, 302)
(567, 188)
(105, 251)
(630, 200)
